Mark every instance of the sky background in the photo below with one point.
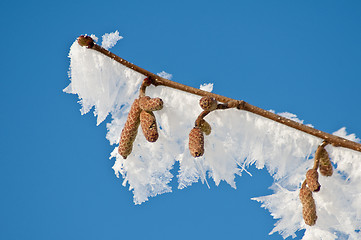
(56, 180)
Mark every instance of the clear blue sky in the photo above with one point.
(56, 180)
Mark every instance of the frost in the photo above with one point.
(207, 87)
(95, 38)
(165, 75)
(293, 117)
(110, 39)
(101, 83)
(342, 133)
(238, 140)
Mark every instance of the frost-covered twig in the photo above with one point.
(336, 141)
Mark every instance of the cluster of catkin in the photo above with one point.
(141, 112)
(196, 136)
(323, 164)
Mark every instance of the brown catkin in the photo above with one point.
(309, 206)
(196, 142)
(150, 104)
(149, 126)
(312, 180)
(324, 161)
(208, 103)
(205, 127)
(130, 130)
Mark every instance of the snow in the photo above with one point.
(238, 140)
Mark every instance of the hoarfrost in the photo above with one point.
(293, 117)
(95, 38)
(342, 133)
(165, 75)
(207, 87)
(238, 140)
(110, 39)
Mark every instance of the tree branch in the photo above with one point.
(336, 141)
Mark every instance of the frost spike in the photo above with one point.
(312, 180)
(309, 206)
(150, 104)
(208, 103)
(149, 126)
(130, 130)
(324, 161)
(196, 142)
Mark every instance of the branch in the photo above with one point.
(336, 141)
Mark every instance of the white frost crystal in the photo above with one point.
(110, 39)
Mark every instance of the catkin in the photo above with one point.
(150, 104)
(324, 161)
(130, 130)
(149, 126)
(312, 180)
(309, 206)
(205, 127)
(208, 103)
(196, 142)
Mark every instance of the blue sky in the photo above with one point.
(302, 57)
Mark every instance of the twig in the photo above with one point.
(230, 104)
(336, 141)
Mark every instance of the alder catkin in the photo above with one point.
(196, 142)
(312, 180)
(150, 104)
(309, 206)
(325, 165)
(208, 103)
(149, 126)
(130, 130)
(205, 127)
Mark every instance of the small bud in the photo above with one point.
(130, 130)
(149, 126)
(196, 142)
(312, 180)
(324, 161)
(205, 127)
(85, 41)
(309, 206)
(150, 104)
(208, 103)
